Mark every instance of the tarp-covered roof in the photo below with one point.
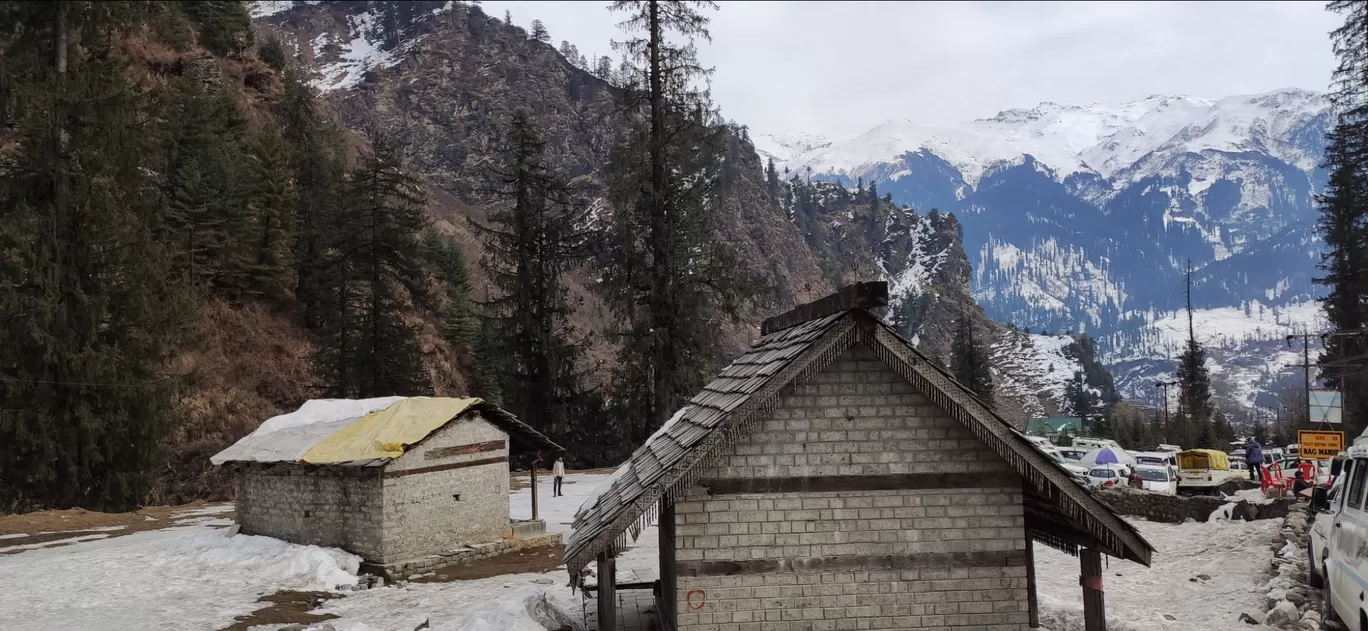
(366, 431)
(1060, 512)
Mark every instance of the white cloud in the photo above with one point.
(842, 68)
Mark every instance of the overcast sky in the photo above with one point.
(841, 68)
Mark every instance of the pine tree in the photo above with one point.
(272, 53)
(604, 69)
(969, 362)
(666, 275)
(874, 226)
(93, 310)
(458, 322)
(1344, 213)
(531, 241)
(273, 214)
(539, 32)
(508, 17)
(317, 162)
(1081, 399)
(1194, 382)
(367, 348)
(772, 180)
(225, 26)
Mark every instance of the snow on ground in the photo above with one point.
(1233, 554)
(184, 577)
(197, 577)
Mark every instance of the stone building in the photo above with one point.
(405, 483)
(834, 478)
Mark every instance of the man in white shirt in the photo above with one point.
(558, 470)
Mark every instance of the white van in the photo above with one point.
(1166, 459)
(1090, 444)
(1338, 536)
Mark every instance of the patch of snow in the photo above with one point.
(1028, 367)
(52, 543)
(14, 535)
(498, 603)
(362, 54)
(267, 8)
(212, 509)
(182, 578)
(289, 436)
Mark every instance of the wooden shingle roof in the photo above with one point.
(1058, 510)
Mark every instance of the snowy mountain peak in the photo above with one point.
(1097, 138)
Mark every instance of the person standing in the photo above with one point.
(558, 471)
(1254, 457)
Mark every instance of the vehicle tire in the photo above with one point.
(1314, 577)
(1329, 614)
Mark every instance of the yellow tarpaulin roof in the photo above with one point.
(385, 433)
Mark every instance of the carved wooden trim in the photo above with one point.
(446, 467)
(999, 558)
(837, 483)
(463, 450)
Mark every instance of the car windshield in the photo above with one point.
(1153, 475)
(1102, 473)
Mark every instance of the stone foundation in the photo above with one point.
(460, 556)
(1176, 509)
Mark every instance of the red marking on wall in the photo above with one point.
(1091, 582)
(701, 595)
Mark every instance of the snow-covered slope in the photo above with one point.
(1084, 217)
(1034, 369)
(1100, 139)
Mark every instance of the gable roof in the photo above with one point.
(367, 432)
(1059, 511)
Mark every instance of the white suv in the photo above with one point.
(1339, 541)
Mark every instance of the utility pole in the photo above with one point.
(1166, 385)
(1306, 367)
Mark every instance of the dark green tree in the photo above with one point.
(272, 211)
(224, 26)
(969, 361)
(272, 54)
(92, 310)
(1081, 399)
(772, 180)
(1344, 214)
(666, 275)
(531, 240)
(458, 321)
(373, 272)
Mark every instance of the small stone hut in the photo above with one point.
(833, 477)
(392, 479)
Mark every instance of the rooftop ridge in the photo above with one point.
(862, 295)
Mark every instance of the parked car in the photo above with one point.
(1202, 470)
(1072, 454)
(1339, 534)
(1173, 448)
(1164, 459)
(1106, 476)
(1159, 479)
(1073, 468)
(1089, 444)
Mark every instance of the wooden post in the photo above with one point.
(535, 458)
(1094, 607)
(607, 592)
(669, 606)
(1032, 607)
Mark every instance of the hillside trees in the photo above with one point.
(969, 362)
(1344, 214)
(91, 307)
(538, 232)
(373, 271)
(665, 274)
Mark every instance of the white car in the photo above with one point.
(1072, 454)
(1318, 548)
(1339, 538)
(1073, 468)
(1166, 459)
(1159, 479)
(1106, 476)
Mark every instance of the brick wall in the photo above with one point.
(874, 559)
(319, 506)
(421, 513)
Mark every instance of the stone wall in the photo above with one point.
(1177, 509)
(325, 506)
(431, 507)
(867, 559)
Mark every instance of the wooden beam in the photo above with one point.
(668, 608)
(1032, 607)
(845, 483)
(1094, 605)
(464, 450)
(858, 296)
(607, 592)
(534, 486)
(1000, 558)
(446, 467)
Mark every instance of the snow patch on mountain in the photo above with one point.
(354, 58)
(784, 147)
(1046, 275)
(1032, 369)
(1100, 139)
(914, 271)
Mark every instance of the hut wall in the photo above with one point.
(325, 506)
(449, 491)
(858, 505)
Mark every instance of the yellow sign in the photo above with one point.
(1319, 445)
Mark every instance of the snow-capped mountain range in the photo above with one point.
(1083, 218)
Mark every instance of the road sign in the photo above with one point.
(1319, 445)
(1326, 406)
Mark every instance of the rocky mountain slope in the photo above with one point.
(1085, 217)
(441, 78)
